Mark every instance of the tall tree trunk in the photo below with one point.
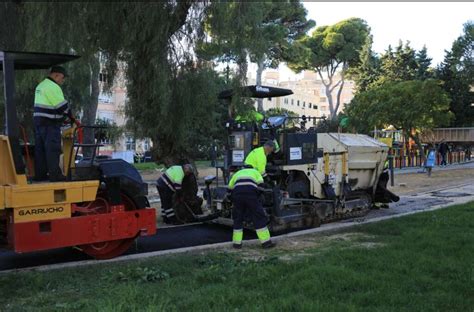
(260, 69)
(330, 101)
(339, 91)
(338, 99)
(327, 90)
(420, 147)
(10, 17)
(242, 68)
(90, 110)
(406, 136)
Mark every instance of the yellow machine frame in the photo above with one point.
(39, 201)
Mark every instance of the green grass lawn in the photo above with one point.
(423, 262)
(147, 166)
(202, 163)
(152, 165)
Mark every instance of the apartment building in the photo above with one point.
(309, 94)
(111, 107)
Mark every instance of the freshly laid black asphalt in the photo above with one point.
(164, 239)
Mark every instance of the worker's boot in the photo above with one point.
(268, 244)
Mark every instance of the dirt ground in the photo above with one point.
(290, 248)
(404, 184)
(411, 183)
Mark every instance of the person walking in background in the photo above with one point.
(467, 152)
(443, 151)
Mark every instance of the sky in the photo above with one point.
(434, 24)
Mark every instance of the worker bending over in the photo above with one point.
(168, 184)
(245, 198)
(257, 158)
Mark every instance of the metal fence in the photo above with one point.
(404, 161)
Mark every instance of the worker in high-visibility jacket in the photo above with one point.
(245, 191)
(168, 184)
(50, 110)
(257, 158)
(251, 116)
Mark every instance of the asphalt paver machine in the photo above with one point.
(102, 206)
(315, 176)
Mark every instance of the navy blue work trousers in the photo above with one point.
(47, 152)
(248, 207)
(166, 198)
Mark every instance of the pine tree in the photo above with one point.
(331, 51)
(368, 70)
(457, 73)
(424, 63)
(260, 31)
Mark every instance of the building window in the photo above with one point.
(315, 106)
(106, 115)
(309, 105)
(146, 145)
(103, 77)
(105, 98)
(322, 99)
(130, 144)
(298, 103)
(106, 141)
(304, 104)
(292, 101)
(285, 101)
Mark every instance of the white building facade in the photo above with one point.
(111, 107)
(309, 94)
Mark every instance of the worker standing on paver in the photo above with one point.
(168, 184)
(50, 110)
(244, 188)
(257, 158)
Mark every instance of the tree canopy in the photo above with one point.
(330, 51)
(412, 106)
(261, 31)
(148, 41)
(457, 72)
(75, 28)
(400, 64)
(167, 50)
